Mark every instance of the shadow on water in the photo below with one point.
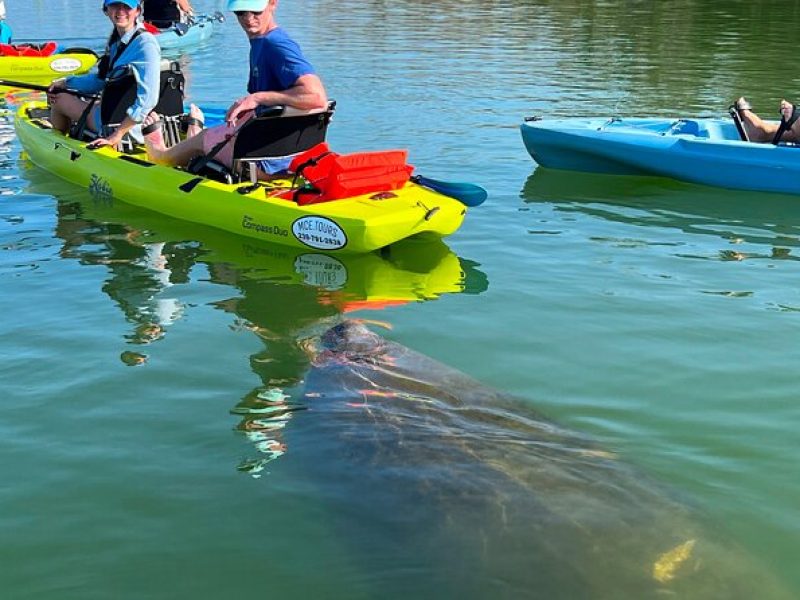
(281, 292)
(736, 216)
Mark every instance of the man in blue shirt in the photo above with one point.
(279, 74)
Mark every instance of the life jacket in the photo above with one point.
(332, 176)
(45, 49)
(162, 13)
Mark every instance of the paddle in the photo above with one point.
(42, 88)
(468, 194)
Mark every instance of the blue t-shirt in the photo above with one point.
(276, 62)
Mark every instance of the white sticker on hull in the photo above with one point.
(319, 232)
(321, 271)
(65, 65)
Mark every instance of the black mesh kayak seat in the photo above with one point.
(119, 94)
(274, 132)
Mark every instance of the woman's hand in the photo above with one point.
(112, 140)
(247, 103)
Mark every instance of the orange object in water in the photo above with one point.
(334, 176)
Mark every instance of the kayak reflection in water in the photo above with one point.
(756, 129)
(279, 75)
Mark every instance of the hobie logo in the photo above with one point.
(101, 190)
(319, 232)
(65, 65)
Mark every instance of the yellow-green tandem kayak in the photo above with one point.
(358, 224)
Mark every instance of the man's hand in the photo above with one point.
(247, 103)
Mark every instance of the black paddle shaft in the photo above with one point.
(40, 88)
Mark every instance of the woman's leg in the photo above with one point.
(66, 109)
(757, 129)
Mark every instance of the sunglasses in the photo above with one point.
(245, 13)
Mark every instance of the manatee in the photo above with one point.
(443, 487)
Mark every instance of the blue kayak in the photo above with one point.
(183, 36)
(704, 151)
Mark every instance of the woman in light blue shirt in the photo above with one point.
(130, 48)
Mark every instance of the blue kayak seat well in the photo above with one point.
(686, 127)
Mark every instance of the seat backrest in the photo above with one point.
(278, 132)
(120, 93)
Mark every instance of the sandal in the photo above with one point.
(786, 124)
(740, 105)
(154, 126)
(188, 120)
(735, 111)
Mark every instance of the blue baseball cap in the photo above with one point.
(130, 3)
(251, 5)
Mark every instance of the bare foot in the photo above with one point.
(154, 141)
(742, 105)
(196, 125)
(787, 110)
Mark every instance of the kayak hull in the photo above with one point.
(44, 69)
(353, 225)
(703, 151)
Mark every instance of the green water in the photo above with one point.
(656, 317)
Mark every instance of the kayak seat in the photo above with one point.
(276, 132)
(119, 94)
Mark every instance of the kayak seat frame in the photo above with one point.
(277, 132)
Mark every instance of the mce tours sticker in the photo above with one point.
(319, 232)
(65, 65)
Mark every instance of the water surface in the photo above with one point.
(659, 318)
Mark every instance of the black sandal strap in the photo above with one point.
(148, 129)
(189, 121)
(786, 124)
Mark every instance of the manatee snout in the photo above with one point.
(351, 337)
